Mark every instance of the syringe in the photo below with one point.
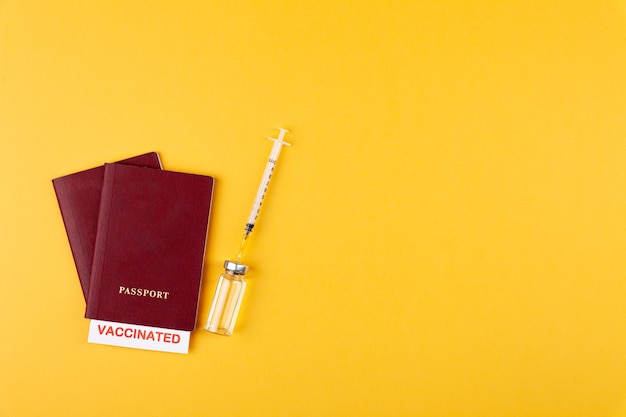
(231, 285)
(260, 195)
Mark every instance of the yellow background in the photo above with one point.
(445, 237)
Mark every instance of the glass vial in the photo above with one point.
(227, 299)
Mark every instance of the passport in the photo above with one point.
(78, 196)
(149, 248)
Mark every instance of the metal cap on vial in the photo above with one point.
(235, 267)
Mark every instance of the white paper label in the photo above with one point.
(138, 337)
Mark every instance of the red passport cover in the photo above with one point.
(78, 195)
(150, 246)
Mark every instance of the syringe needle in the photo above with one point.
(242, 246)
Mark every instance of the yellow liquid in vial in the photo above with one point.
(226, 303)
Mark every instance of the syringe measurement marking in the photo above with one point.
(258, 210)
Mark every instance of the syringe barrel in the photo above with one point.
(265, 180)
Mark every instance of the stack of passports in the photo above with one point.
(138, 237)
